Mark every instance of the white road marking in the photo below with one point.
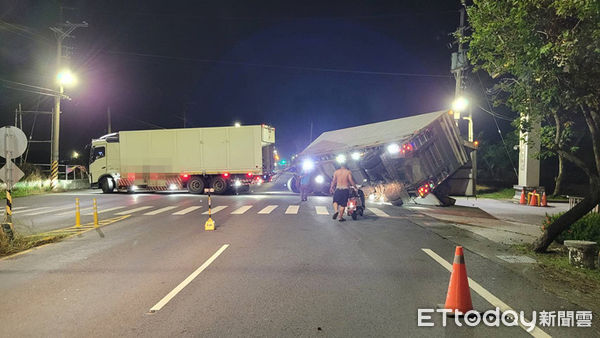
(19, 208)
(134, 210)
(215, 209)
(72, 212)
(186, 210)
(30, 210)
(292, 209)
(241, 210)
(268, 209)
(187, 281)
(378, 212)
(321, 210)
(158, 211)
(495, 301)
(104, 210)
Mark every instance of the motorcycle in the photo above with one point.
(356, 203)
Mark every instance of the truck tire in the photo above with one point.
(196, 185)
(219, 184)
(107, 185)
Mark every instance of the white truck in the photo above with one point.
(174, 159)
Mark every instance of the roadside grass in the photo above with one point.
(501, 194)
(22, 243)
(555, 266)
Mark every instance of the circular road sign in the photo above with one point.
(13, 142)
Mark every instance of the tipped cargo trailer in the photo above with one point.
(407, 159)
(220, 158)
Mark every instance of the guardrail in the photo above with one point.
(65, 171)
(573, 200)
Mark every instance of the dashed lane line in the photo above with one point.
(187, 281)
(187, 210)
(378, 212)
(292, 209)
(130, 211)
(215, 209)
(321, 210)
(241, 210)
(268, 209)
(488, 296)
(161, 210)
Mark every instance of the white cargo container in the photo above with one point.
(174, 159)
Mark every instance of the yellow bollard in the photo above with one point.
(95, 214)
(77, 213)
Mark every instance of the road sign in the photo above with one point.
(8, 177)
(13, 142)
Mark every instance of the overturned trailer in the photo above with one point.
(420, 158)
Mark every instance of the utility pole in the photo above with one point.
(109, 129)
(61, 32)
(459, 66)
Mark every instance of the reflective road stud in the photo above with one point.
(95, 214)
(77, 213)
(210, 224)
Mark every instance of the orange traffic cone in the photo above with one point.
(523, 199)
(544, 200)
(459, 294)
(534, 201)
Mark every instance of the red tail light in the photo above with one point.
(225, 174)
(185, 176)
(424, 190)
(249, 174)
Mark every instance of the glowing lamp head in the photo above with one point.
(355, 156)
(460, 104)
(172, 186)
(320, 179)
(341, 158)
(476, 143)
(66, 78)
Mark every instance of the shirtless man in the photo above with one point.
(342, 181)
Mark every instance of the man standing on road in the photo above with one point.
(304, 185)
(341, 182)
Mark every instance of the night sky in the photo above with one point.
(284, 63)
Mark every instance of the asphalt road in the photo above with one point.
(280, 271)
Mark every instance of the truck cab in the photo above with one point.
(104, 162)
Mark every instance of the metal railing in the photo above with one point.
(65, 171)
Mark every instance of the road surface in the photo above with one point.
(274, 267)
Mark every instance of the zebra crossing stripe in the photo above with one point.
(321, 210)
(268, 209)
(292, 209)
(215, 209)
(71, 208)
(34, 209)
(241, 210)
(379, 212)
(186, 210)
(103, 210)
(133, 210)
(158, 211)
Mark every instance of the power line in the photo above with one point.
(497, 126)
(316, 69)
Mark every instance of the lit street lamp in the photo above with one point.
(63, 78)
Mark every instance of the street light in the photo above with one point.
(460, 104)
(75, 155)
(66, 78)
(237, 124)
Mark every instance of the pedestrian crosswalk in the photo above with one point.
(178, 210)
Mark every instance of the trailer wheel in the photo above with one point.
(107, 185)
(195, 185)
(219, 184)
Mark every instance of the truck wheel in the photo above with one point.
(195, 185)
(219, 184)
(107, 185)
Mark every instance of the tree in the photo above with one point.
(545, 55)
